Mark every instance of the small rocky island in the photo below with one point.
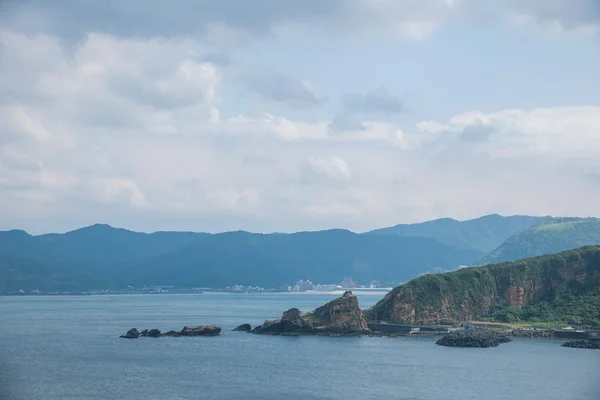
(243, 328)
(473, 337)
(583, 344)
(339, 317)
(201, 330)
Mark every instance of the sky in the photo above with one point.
(281, 116)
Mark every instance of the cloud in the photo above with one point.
(333, 169)
(285, 89)
(557, 131)
(344, 123)
(116, 118)
(375, 101)
(558, 15)
(137, 18)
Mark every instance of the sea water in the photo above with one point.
(68, 347)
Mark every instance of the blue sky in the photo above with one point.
(284, 116)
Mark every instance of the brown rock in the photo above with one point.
(341, 316)
(201, 330)
(243, 328)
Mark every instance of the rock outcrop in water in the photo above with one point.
(341, 316)
(471, 293)
(200, 330)
(243, 328)
(472, 338)
(131, 334)
(583, 344)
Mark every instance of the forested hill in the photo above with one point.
(101, 256)
(324, 257)
(560, 288)
(551, 235)
(482, 234)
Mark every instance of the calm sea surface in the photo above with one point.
(58, 348)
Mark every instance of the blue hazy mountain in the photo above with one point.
(482, 234)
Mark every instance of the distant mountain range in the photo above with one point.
(101, 256)
(482, 234)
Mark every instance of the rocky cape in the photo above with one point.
(200, 330)
(471, 293)
(339, 317)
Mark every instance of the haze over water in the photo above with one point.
(57, 348)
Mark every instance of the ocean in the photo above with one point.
(68, 347)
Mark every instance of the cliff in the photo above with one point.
(554, 287)
(341, 316)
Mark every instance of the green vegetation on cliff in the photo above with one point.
(558, 288)
(551, 235)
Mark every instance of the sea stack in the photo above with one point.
(341, 316)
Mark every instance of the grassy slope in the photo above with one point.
(550, 236)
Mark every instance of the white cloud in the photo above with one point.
(134, 126)
(333, 168)
(561, 132)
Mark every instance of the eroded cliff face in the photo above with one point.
(471, 293)
(341, 316)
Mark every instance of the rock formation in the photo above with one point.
(154, 333)
(470, 293)
(341, 316)
(131, 334)
(201, 330)
(472, 337)
(583, 344)
(243, 328)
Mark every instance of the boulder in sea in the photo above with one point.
(243, 328)
(144, 332)
(201, 330)
(131, 334)
(340, 317)
(172, 333)
(154, 333)
(583, 344)
(473, 337)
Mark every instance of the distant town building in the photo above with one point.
(303, 286)
(327, 288)
(348, 283)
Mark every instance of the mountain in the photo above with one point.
(101, 256)
(561, 288)
(483, 234)
(271, 260)
(548, 236)
(18, 273)
(97, 252)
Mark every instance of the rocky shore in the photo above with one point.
(583, 344)
(533, 333)
(339, 317)
(473, 338)
(201, 330)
